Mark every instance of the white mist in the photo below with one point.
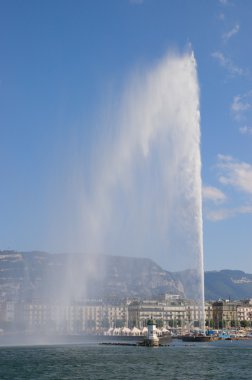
(143, 196)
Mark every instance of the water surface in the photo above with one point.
(220, 360)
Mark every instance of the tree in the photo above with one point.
(220, 325)
(210, 324)
(171, 322)
(160, 323)
(244, 324)
(105, 323)
(90, 324)
(119, 323)
(133, 323)
(233, 323)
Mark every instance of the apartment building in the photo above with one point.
(91, 317)
(171, 311)
(97, 316)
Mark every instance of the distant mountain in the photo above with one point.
(31, 276)
(139, 277)
(26, 276)
(44, 277)
(233, 284)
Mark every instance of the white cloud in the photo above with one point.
(245, 130)
(227, 64)
(235, 173)
(240, 105)
(226, 36)
(222, 214)
(241, 108)
(213, 194)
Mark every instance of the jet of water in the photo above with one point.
(144, 193)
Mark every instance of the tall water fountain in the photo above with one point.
(144, 191)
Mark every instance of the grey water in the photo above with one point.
(178, 361)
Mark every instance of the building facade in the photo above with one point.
(97, 316)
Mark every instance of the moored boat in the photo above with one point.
(197, 338)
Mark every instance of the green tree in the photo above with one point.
(119, 323)
(90, 324)
(171, 322)
(244, 324)
(179, 323)
(160, 323)
(233, 323)
(105, 323)
(222, 324)
(133, 323)
(212, 323)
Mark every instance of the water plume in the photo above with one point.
(143, 196)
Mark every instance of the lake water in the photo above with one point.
(217, 360)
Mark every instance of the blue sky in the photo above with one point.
(62, 60)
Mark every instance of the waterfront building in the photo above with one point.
(98, 316)
(225, 314)
(244, 312)
(91, 316)
(171, 312)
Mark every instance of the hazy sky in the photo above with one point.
(60, 63)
